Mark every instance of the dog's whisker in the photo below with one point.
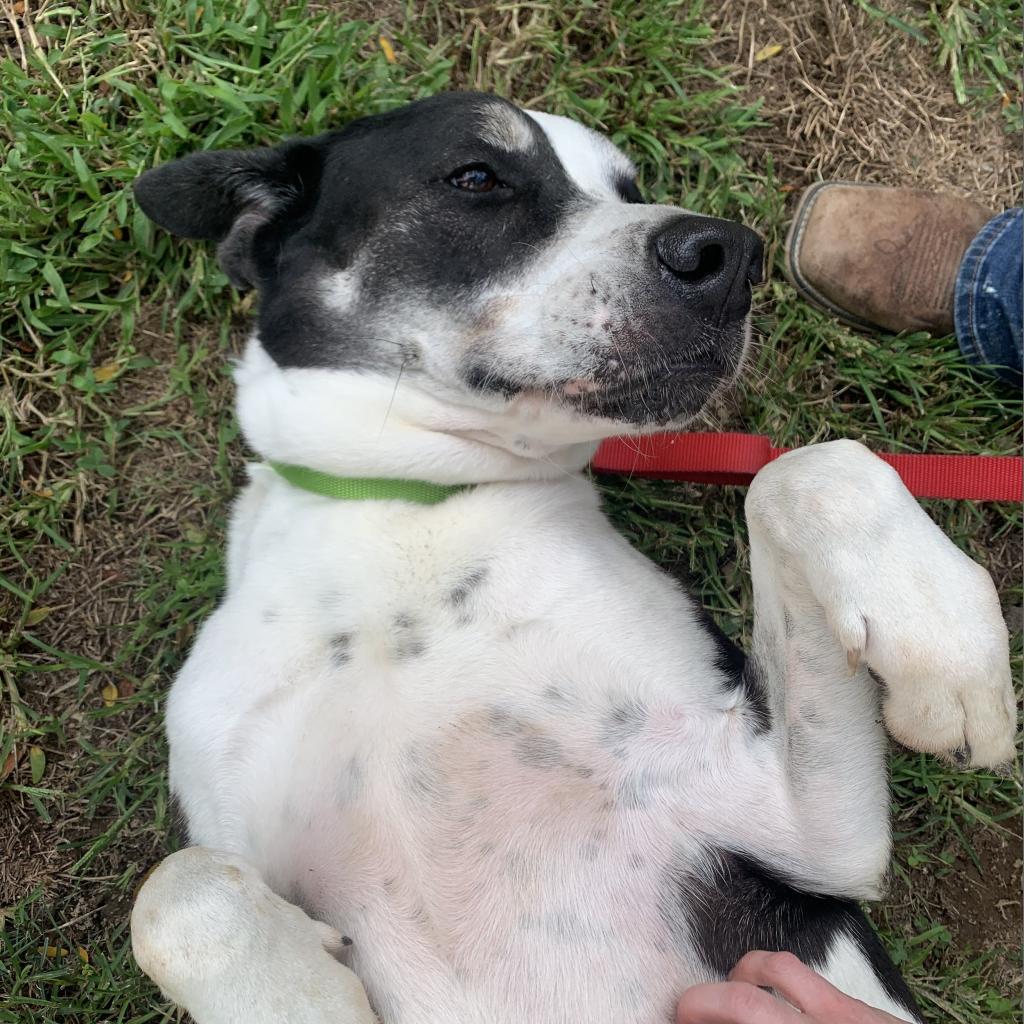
(391, 401)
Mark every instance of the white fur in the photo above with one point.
(506, 128)
(883, 572)
(362, 424)
(449, 922)
(340, 290)
(483, 737)
(845, 969)
(591, 160)
(208, 930)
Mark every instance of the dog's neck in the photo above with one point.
(358, 424)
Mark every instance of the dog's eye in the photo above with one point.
(474, 178)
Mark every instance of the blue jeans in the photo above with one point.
(987, 302)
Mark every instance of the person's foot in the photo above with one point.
(881, 258)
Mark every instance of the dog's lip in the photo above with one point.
(675, 395)
(624, 383)
(580, 386)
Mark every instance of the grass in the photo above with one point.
(120, 451)
(970, 41)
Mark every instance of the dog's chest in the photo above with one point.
(467, 746)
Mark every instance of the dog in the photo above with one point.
(450, 751)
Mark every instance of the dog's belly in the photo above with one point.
(489, 763)
(495, 871)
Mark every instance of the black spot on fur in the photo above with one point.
(621, 724)
(504, 723)
(555, 695)
(539, 751)
(636, 789)
(729, 659)
(741, 905)
(627, 188)
(480, 377)
(341, 648)
(408, 639)
(517, 866)
(565, 926)
(462, 590)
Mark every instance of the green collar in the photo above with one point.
(354, 488)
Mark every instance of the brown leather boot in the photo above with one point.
(881, 258)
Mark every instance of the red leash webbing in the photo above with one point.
(735, 458)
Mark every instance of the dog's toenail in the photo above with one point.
(961, 756)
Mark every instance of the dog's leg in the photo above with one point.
(218, 942)
(851, 575)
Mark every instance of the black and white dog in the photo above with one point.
(505, 765)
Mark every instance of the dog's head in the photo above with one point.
(491, 256)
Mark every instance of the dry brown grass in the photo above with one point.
(848, 96)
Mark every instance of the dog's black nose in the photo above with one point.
(712, 263)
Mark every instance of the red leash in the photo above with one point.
(735, 458)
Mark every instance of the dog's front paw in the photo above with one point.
(207, 929)
(937, 643)
(900, 597)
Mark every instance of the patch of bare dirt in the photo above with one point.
(982, 909)
(849, 96)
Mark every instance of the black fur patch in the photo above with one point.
(288, 217)
(755, 697)
(739, 672)
(539, 751)
(409, 641)
(621, 724)
(462, 590)
(341, 649)
(745, 906)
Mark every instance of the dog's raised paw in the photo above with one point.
(899, 596)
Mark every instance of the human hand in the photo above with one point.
(741, 999)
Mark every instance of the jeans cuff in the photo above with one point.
(972, 267)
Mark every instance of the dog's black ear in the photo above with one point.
(227, 195)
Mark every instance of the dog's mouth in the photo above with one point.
(645, 397)
(651, 399)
